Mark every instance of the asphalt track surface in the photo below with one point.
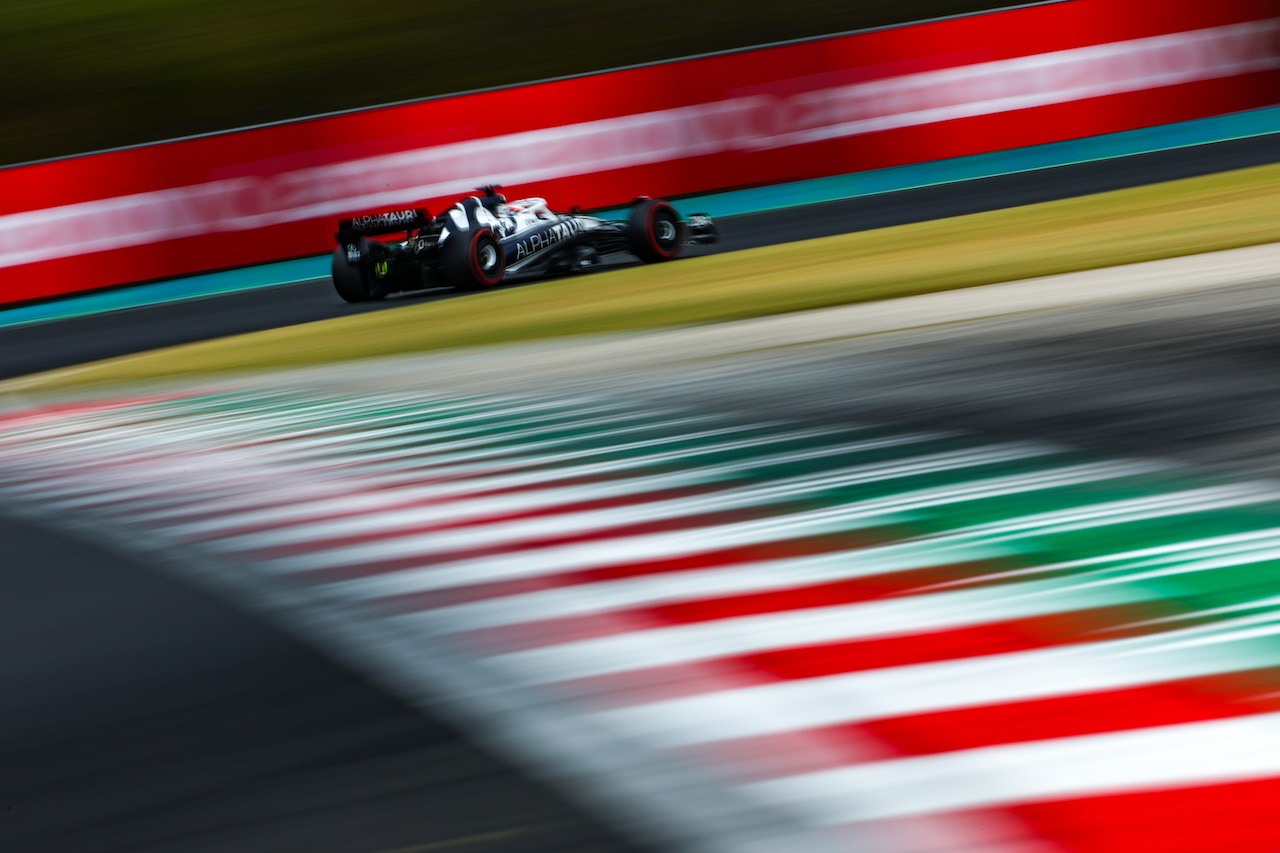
(142, 715)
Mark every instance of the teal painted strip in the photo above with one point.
(175, 290)
(736, 203)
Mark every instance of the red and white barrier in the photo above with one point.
(812, 109)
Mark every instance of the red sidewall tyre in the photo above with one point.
(474, 260)
(481, 241)
(655, 231)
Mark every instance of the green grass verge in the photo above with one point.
(1203, 214)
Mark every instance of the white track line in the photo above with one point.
(541, 469)
(1192, 754)
(654, 545)
(742, 635)
(924, 688)
(778, 574)
(389, 525)
(599, 598)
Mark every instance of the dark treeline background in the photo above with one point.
(83, 75)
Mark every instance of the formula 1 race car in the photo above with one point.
(483, 238)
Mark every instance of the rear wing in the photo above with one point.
(384, 223)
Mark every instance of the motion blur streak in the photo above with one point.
(756, 122)
(850, 632)
(990, 84)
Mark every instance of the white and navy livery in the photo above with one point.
(483, 238)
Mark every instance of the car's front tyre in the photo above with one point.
(655, 231)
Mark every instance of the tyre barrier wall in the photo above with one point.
(790, 112)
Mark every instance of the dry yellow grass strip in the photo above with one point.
(1203, 214)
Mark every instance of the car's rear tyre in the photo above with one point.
(351, 278)
(474, 260)
(655, 231)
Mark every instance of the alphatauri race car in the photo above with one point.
(483, 238)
